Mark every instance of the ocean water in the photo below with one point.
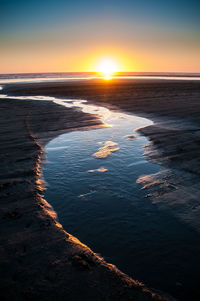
(75, 76)
(91, 181)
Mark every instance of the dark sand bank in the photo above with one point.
(39, 260)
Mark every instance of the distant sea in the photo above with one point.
(66, 76)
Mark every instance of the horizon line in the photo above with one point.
(120, 72)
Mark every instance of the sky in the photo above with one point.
(74, 36)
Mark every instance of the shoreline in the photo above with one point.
(41, 260)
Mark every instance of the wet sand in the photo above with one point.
(41, 260)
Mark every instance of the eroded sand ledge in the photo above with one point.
(39, 260)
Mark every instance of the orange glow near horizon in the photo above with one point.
(106, 61)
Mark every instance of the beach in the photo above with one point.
(40, 259)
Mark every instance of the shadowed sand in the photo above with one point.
(39, 260)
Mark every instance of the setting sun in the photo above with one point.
(107, 67)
